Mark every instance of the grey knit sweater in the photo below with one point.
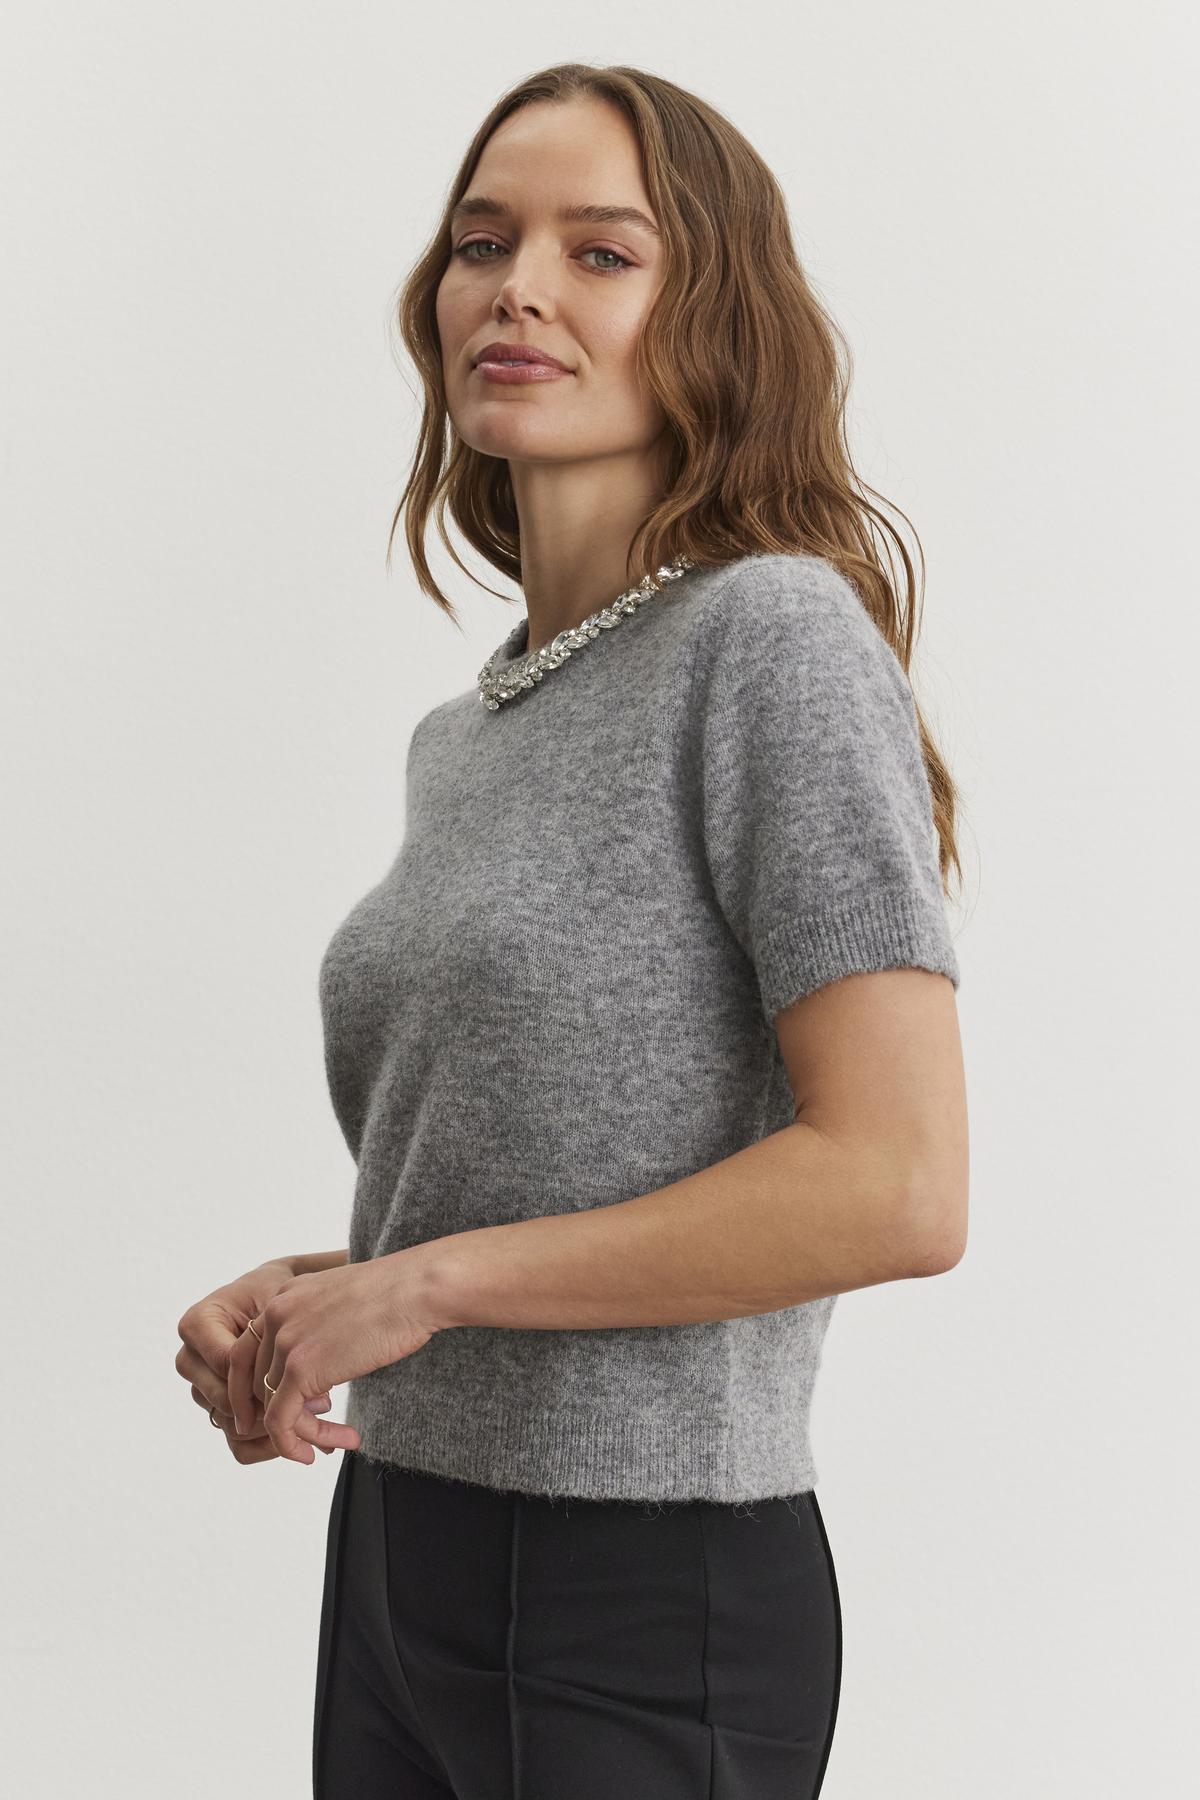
(561, 993)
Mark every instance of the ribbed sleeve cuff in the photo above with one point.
(903, 928)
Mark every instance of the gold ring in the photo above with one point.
(267, 1385)
(211, 1420)
(250, 1325)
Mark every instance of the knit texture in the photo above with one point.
(561, 995)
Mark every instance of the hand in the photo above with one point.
(324, 1328)
(209, 1330)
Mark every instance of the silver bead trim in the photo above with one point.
(495, 688)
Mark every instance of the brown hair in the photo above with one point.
(749, 369)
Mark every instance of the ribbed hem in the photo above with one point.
(902, 928)
(572, 1451)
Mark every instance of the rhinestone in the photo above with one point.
(495, 687)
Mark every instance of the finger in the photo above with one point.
(255, 1430)
(207, 1332)
(264, 1356)
(211, 1390)
(244, 1402)
(218, 1405)
(251, 1450)
(335, 1434)
(331, 1435)
(294, 1431)
(192, 1366)
(252, 1422)
(240, 1380)
(220, 1414)
(210, 1393)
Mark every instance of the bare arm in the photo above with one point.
(788, 1219)
(868, 1184)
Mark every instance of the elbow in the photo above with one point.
(941, 1257)
(937, 1229)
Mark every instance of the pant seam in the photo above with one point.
(430, 1746)
(510, 1657)
(320, 1745)
(704, 1648)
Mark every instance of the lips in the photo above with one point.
(526, 353)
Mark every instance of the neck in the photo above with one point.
(577, 522)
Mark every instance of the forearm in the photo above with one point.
(315, 1261)
(791, 1218)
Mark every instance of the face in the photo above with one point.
(578, 289)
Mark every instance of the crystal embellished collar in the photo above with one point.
(498, 683)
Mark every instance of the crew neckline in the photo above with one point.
(514, 644)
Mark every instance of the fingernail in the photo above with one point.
(237, 1425)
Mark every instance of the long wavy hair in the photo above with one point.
(750, 371)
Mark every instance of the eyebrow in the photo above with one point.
(478, 206)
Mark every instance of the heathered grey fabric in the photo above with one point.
(561, 994)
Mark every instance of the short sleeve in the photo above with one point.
(817, 815)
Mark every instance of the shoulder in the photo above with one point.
(424, 731)
(793, 614)
(785, 573)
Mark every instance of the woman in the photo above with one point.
(645, 1046)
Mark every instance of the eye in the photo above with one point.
(623, 260)
(462, 250)
(473, 244)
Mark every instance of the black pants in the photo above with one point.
(489, 1645)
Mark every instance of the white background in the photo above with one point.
(209, 683)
